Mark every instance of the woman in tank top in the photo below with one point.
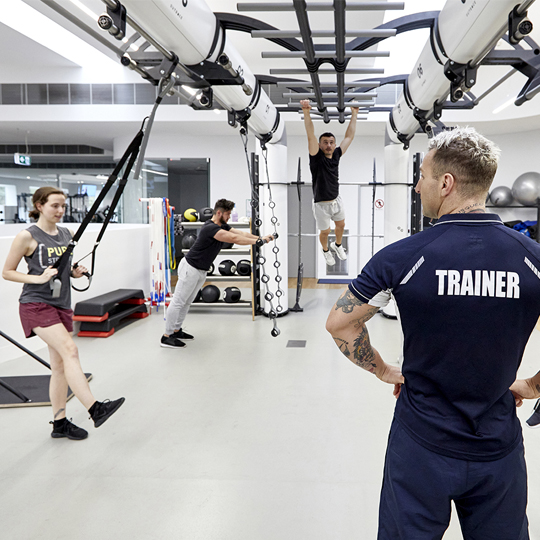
(50, 317)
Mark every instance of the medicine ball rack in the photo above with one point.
(244, 250)
(537, 206)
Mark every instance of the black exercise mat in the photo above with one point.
(34, 387)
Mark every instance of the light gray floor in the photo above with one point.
(237, 437)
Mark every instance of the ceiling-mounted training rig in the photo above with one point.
(338, 55)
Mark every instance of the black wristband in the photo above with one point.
(259, 242)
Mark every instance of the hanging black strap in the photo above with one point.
(136, 148)
(131, 153)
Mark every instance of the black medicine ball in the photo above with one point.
(188, 240)
(198, 298)
(231, 295)
(210, 293)
(211, 270)
(227, 268)
(243, 267)
(205, 214)
(226, 245)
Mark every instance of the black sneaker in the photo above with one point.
(182, 335)
(69, 430)
(171, 342)
(534, 420)
(102, 410)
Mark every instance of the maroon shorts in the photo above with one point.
(39, 314)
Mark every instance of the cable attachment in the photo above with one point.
(86, 274)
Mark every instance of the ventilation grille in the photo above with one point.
(49, 149)
(82, 94)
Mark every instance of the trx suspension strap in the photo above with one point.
(137, 147)
(63, 261)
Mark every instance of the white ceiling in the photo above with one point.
(27, 57)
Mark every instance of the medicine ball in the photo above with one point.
(226, 245)
(198, 298)
(210, 293)
(227, 268)
(211, 270)
(191, 214)
(205, 213)
(243, 267)
(526, 188)
(188, 240)
(501, 196)
(231, 295)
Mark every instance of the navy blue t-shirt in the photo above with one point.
(206, 248)
(325, 175)
(468, 294)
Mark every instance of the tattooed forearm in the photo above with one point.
(58, 413)
(363, 352)
(347, 302)
(343, 346)
(360, 321)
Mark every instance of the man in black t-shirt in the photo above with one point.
(194, 266)
(324, 165)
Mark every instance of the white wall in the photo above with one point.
(122, 262)
(229, 177)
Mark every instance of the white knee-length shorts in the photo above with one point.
(325, 212)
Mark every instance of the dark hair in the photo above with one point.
(41, 196)
(326, 134)
(224, 205)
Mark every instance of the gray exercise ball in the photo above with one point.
(526, 188)
(501, 196)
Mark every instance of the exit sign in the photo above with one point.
(21, 159)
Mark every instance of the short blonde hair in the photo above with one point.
(468, 156)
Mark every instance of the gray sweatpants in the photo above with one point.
(190, 280)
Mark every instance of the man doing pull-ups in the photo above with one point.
(324, 159)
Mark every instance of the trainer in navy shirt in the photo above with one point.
(468, 295)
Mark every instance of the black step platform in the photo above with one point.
(101, 315)
(101, 305)
(33, 387)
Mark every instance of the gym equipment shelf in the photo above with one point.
(244, 250)
(228, 278)
(223, 305)
(234, 224)
(233, 251)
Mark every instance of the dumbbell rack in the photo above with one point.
(244, 250)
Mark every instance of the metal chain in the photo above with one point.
(274, 221)
(261, 260)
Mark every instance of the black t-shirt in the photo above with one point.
(325, 175)
(206, 247)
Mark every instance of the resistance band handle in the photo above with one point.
(88, 275)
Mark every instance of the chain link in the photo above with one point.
(261, 259)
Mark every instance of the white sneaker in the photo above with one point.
(340, 251)
(329, 258)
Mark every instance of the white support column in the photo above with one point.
(277, 171)
(396, 215)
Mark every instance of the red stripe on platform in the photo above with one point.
(87, 333)
(90, 318)
(138, 315)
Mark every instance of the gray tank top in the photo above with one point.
(48, 251)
